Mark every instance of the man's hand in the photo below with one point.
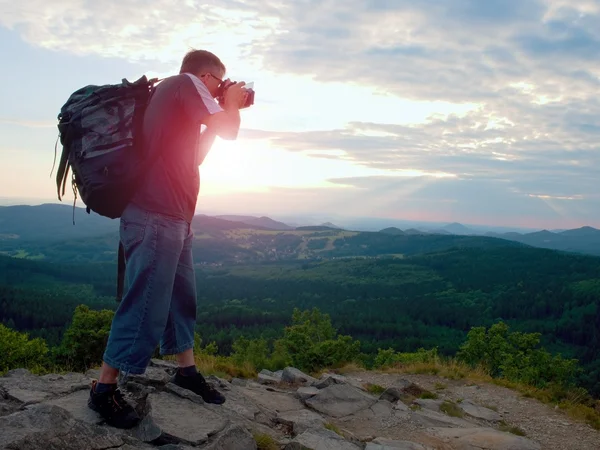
(226, 124)
(235, 96)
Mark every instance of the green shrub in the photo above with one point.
(516, 356)
(84, 341)
(18, 351)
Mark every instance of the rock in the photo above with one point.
(268, 373)
(22, 386)
(93, 374)
(403, 390)
(184, 421)
(479, 412)
(483, 438)
(28, 397)
(433, 405)
(382, 409)
(328, 380)
(169, 366)
(320, 439)
(295, 376)
(153, 376)
(45, 427)
(234, 438)
(340, 400)
(379, 412)
(273, 401)
(266, 379)
(301, 420)
(76, 405)
(237, 405)
(239, 382)
(388, 444)
(184, 393)
(400, 406)
(218, 383)
(306, 392)
(428, 418)
(147, 430)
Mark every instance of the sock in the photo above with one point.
(104, 387)
(188, 371)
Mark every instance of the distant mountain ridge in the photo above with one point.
(263, 221)
(54, 223)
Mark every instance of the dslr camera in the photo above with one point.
(227, 83)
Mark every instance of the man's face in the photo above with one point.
(212, 79)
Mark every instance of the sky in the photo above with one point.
(481, 112)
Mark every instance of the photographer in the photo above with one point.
(159, 306)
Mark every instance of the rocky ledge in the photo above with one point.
(284, 410)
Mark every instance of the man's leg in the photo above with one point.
(178, 337)
(153, 245)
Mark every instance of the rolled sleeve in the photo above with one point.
(196, 100)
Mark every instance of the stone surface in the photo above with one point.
(273, 401)
(389, 444)
(479, 412)
(234, 438)
(484, 438)
(428, 418)
(320, 439)
(239, 382)
(76, 405)
(46, 427)
(57, 416)
(184, 393)
(305, 392)
(153, 376)
(301, 420)
(402, 390)
(339, 400)
(267, 379)
(169, 366)
(194, 427)
(295, 376)
(22, 386)
(433, 405)
(328, 379)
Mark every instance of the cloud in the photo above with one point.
(137, 30)
(500, 96)
(28, 123)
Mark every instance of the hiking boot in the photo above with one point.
(113, 407)
(198, 385)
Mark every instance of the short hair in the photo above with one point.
(196, 61)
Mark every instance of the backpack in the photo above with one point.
(100, 132)
(100, 129)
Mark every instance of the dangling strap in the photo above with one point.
(120, 272)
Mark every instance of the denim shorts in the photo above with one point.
(159, 303)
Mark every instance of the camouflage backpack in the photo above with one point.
(100, 129)
(100, 132)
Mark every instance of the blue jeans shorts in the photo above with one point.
(159, 303)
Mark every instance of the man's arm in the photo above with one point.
(207, 139)
(202, 108)
(225, 124)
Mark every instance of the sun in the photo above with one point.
(234, 166)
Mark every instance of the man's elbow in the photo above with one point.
(224, 125)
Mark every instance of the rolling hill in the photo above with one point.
(262, 222)
(578, 240)
(47, 232)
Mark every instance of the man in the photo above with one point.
(159, 306)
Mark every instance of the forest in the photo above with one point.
(421, 299)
